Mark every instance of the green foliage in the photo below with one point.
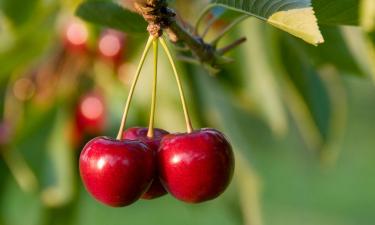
(283, 103)
(337, 12)
(112, 15)
(18, 11)
(294, 17)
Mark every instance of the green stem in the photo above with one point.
(132, 88)
(189, 127)
(150, 133)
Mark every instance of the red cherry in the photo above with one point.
(196, 167)
(111, 46)
(90, 114)
(116, 172)
(140, 133)
(75, 36)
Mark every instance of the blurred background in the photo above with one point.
(301, 119)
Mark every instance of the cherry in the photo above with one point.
(116, 172)
(90, 114)
(111, 46)
(196, 167)
(75, 36)
(140, 133)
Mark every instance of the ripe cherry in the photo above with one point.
(90, 114)
(196, 167)
(75, 36)
(116, 172)
(140, 133)
(111, 46)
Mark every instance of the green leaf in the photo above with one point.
(18, 11)
(294, 17)
(260, 80)
(362, 48)
(112, 15)
(61, 158)
(368, 15)
(337, 12)
(315, 98)
(335, 52)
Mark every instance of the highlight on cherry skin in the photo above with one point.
(116, 172)
(140, 133)
(196, 167)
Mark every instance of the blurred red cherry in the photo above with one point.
(111, 46)
(75, 36)
(90, 115)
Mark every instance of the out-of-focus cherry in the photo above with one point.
(111, 46)
(75, 36)
(90, 117)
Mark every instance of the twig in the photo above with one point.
(161, 18)
(232, 45)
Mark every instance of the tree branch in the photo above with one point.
(161, 18)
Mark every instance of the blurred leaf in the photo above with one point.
(249, 191)
(221, 13)
(111, 15)
(317, 104)
(294, 17)
(260, 82)
(61, 169)
(362, 49)
(337, 12)
(368, 15)
(18, 11)
(20, 208)
(335, 52)
(26, 47)
(20, 170)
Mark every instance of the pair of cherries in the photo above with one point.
(193, 167)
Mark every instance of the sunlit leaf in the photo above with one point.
(368, 15)
(294, 17)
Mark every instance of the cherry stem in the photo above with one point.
(150, 133)
(132, 88)
(189, 127)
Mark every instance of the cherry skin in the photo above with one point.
(196, 167)
(116, 173)
(140, 133)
